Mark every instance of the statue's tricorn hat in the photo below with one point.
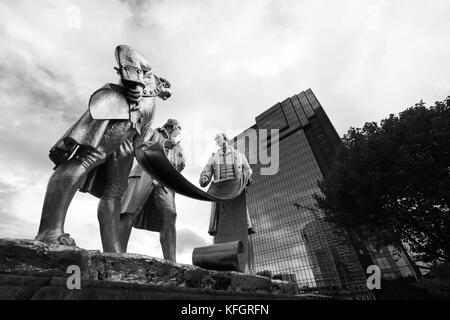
(131, 65)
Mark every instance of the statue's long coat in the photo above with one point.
(211, 171)
(151, 209)
(88, 133)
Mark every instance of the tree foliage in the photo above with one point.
(390, 182)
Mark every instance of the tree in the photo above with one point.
(390, 183)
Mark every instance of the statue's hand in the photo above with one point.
(165, 93)
(58, 156)
(165, 83)
(165, 86)
(134, 96)
(181, 166)
(170, 144)
(144, 145)
(204, 180)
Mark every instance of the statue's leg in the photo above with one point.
(108, 217)
(61, 188)
(125, 226)
(138, 190)
(165, 203)
(168, 240)
(117, 168)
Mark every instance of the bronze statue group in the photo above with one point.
(97, 155)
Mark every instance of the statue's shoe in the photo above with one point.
(62, 239)
(66, 240)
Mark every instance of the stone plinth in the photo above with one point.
(34, 270)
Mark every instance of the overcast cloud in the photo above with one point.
(228, 61)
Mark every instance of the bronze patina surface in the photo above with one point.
(149, 205)
(95, 155)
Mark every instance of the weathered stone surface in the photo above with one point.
(20, 287)
(27, 257)
(30, 269)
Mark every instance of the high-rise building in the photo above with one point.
(292, 238)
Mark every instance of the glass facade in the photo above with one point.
(292, 240)
(393, 262)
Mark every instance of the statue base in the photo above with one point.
(35, 270)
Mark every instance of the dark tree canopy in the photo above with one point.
(391, 182)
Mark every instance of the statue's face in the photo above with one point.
(219, 140)
(176, 132)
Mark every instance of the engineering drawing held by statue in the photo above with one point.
(96, 154)
(148, 204)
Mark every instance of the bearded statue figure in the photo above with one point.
(96, 154)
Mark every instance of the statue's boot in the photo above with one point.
(61, 188)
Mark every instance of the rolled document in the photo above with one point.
(227, 256)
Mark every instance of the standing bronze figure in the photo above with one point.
(96, 154)
(225, 164)
(230, 222)
(148, 204)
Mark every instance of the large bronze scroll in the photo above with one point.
(230, 248)
(154, 160)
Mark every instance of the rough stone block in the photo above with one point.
(34, 270)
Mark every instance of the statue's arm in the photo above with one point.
(165, 87)
(207, 173)
(180, 160)
(247, 170)
(144, 140)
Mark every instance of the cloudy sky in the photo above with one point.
(228, 61)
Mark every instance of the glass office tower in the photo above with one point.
(292, 240)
